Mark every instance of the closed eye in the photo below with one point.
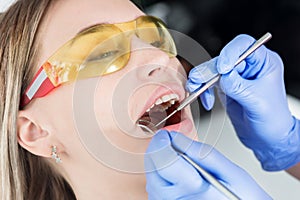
(157, 44)
(103, 56)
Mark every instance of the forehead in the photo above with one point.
(66, 18)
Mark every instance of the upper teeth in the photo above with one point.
(171, 98)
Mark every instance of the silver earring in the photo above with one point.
(54, 155)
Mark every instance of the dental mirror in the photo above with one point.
(147, 126)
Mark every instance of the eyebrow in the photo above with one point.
(89, 27)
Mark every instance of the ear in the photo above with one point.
(31, 136)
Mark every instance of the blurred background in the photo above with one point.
(213, 23)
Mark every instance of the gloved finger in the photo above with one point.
(252, 66)
(220, 167)
(254, 63)
(159, 153)
(211, 193)
(187, 182)
(228, 102)
(204, 72)
(191, 86)
(238, 88)
(153, 197)
(208, 98)
(232, 51)
(167, 190)
(207, 157)
(201, 74)
(154, 178)
(156, 185)
(167, 161)
(232, 84)
(261, 62)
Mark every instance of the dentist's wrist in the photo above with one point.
(284, 154)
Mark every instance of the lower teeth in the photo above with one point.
(157, 114)
(147, 126)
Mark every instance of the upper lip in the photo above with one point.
(167, 88)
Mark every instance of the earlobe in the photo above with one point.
(31, 136)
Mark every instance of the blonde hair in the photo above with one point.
(23, 175)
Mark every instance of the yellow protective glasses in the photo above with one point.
(96, 51)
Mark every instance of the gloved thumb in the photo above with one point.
(232, 51)
(236, 87)
(159, 153)
(207, 98)
(207, 157)
(167, 163)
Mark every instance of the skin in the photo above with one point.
(295, 171)
(56, 118)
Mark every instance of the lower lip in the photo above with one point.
(185, 126)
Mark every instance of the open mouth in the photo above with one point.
(161, 109)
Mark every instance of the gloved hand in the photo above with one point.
(255, 99)
(169, 176)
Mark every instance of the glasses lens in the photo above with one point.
(99, 50)
(113, 52)
(154, 32)
(107, 57)
(105, 48)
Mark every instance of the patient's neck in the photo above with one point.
(103, 182)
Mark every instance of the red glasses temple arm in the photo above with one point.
(39, 87)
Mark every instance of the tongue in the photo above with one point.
(176, 118)
(157, 114)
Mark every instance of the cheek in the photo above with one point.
(138, 99)
(103, 109)
(112, 101)
(112, 116)
(183, 68)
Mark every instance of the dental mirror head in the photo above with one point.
(147, 126)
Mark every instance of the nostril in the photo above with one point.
(152, 72)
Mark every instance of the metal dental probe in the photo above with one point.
(206, 175)
(193, 96)
(209, 178)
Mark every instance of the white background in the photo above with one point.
(5, 4)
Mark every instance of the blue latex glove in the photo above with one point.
(255, 99)
(170, 177)
(202, 74)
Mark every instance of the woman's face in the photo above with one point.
(99, 115)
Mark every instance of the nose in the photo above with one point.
(148, 60)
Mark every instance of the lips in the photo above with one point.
(158, 112)
(164, 102)
(161, 104)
